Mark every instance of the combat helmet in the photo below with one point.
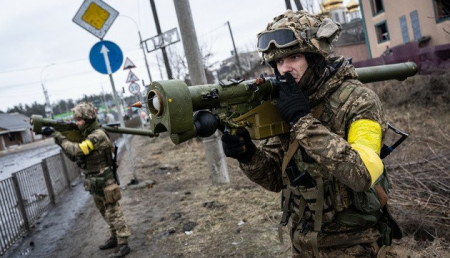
(297, 32)
(84, 111)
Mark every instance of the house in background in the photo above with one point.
(352, 41)
(250, 64)
(407, 30)
(15, 129)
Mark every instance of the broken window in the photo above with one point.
(442, 10)
(377, 6)
(382, 32)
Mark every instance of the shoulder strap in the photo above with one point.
(293, 145)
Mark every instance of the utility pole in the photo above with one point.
(235, 52)
(213, 147)
(163, 49)
(288, 4)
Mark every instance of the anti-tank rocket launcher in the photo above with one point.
(70, 129)
(251, 104)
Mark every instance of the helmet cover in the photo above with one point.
(314, 34)
(84, 111)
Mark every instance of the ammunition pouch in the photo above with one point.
(353, 218)
(112, 193)
(372, 200)
(95, 183)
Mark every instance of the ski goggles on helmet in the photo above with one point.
(281, 38)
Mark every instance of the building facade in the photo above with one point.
(392, 23)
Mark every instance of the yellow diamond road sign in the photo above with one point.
(96, 17)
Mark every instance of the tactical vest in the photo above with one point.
(98, 158)
(324, 200)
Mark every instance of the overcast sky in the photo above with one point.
(41, 44)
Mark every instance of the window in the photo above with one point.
(442, 10)
(377, 6)
(415, 25)
(382, 32)
(404, 27)
(336, 17)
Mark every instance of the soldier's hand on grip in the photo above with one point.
(239, 145)
(293, 102)
(47, 131)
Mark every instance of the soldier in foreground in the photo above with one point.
(328, 168)
(94, 155)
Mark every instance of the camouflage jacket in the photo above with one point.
(324, 140)
(98, 158)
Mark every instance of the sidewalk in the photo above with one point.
(54, 227)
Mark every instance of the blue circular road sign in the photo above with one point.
(106, 57)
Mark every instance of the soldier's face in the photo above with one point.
(295, 65)
(80, 122)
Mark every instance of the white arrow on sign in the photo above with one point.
(105, 51)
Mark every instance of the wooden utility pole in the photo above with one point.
(163, 49)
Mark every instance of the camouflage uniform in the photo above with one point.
(324, 218)
(94, 156)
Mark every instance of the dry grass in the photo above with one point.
(420, 169)
(241, 219)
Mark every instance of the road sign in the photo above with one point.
(132, 77)
(134, 88)
(128, 64)
(106, 57)
(166, 38)
(96, 17)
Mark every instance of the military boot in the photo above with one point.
(110, 243)
(120, 251)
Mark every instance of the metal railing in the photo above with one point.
(30, 192)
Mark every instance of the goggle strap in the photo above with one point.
(308, 34)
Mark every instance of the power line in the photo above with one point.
(59, 63)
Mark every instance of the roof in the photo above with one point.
(13, 122)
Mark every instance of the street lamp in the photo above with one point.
(141, 45)
(48, 106)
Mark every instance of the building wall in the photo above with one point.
(393, 10)
(357, 52)
(10, 139)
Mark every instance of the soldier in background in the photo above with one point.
(94, 156)
(328, 168)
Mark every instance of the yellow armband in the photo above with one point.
(364, 137)
(86, 146)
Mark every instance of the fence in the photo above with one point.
(30, 192)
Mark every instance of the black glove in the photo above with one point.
(48, 131)
(293, 103)
(239, 145)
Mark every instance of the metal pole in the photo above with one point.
(213, 147)
(141, 45)
(163, 49)
(122, 124)
(235, 52)
(145, 57)
(47, 99)
(288, 4)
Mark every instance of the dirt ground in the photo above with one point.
(175, 211)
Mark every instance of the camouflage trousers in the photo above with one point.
(113, 215)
